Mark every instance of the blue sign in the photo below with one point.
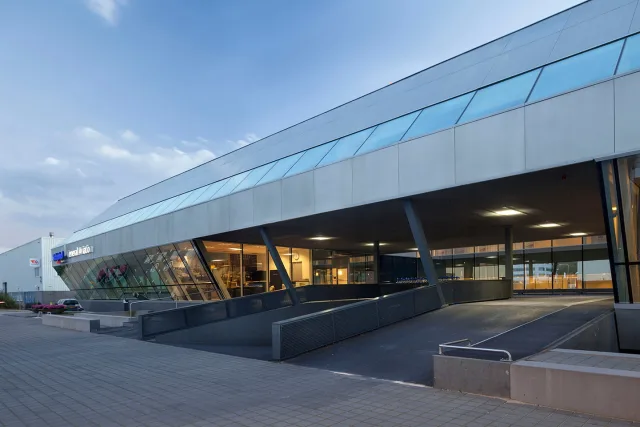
(58, 256)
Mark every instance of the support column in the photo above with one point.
(279, 266)
(423, 248)
(376, 262)
(508, 253)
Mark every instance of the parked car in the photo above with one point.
(70, 304)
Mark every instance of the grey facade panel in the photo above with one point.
(635, 23)
(594, 32)
(538, 31)
(594, 8)
(627, 93)
(586, 25)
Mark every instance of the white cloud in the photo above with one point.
(106, 9)
(51, 161)
(129, 136)
(89, 133)
(113, 152)
(81, 173)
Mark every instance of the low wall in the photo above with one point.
(583, 389)
(464, 291)
(254, 330)
(486, 377)
(627, 320)
(106, 320)
(107, 306)
(71, 322)
(598, 335)
(299, 335)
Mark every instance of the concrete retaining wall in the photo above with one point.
(597, 391)
(71, 322)
(106, 306)
(628, 319)
(486, 377)
(598, 335)
(253, 330)
(106, 320)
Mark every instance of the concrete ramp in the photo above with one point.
(403, 351)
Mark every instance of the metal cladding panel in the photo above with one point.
(333, 186)
(427, 163)
(375, 176)
(143, 234)
(521, 59)
(164, 228)
(571, 128)
(594, 32)
(50, 279)
(15, 268)
(218, 214)
(490, 148)
(635, 24)
(592, 9)
(447, 87)
(548, 27)
(356, 319)
(190, 222)
(627, 124)
(241, 209)
(297, 196)
(267, 203)
(112, 242)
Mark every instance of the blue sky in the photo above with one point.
(100, 98)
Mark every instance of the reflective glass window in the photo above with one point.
(439, 116)
(346, 147)
(150, 276)
(176, 264)
(630, 59)
(150, 210)
(192, 197)
(223, 260)
(231, 184)
(254, 176)
(105, 279)
(136, 274)
(311, 158)
(67, 277)
(577, 71)
(500, 96)
(161, 268)
(281, 167)
(188, 254)
(255, 269)
(211, 191)
(388, 133)
(171, 204)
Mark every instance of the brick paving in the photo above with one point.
(54, 377)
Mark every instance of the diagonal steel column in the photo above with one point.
(423, 248)
(279, 265)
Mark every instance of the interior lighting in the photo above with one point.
(578, 234)
(549, 225)
(507, 212)
(372, 244)
(615, 208)
(320, 238)
(412, 249)
(235, 249)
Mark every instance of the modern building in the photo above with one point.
(27, 268)
(515, 159)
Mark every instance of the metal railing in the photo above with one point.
(451, 345)
(147, 300)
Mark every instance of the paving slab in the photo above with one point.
(59, 377)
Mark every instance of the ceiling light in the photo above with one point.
(413, 249)
(549, 225)
(320, 238)
(235, 249)
(372, 244)
(507, 212)
(577, 234)
(614, 208)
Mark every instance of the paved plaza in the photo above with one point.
(55, 377)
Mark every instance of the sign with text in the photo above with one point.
(58, 256)
(34, 262)
(81, 250)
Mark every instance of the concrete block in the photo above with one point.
(107, 320)
(486, 377)
(599, 391)
(73, 323)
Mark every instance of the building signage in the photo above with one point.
(58, 256)
(81, 250)
(34, 262)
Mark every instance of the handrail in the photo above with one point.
(146, 300)
(450, 345)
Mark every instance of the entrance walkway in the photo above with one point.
(402, 352)
(55, 377)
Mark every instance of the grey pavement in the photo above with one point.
(55, 377)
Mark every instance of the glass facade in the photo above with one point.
(577, 263)
(621, 197)
(552, 79)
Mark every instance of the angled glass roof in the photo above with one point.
(570, 73)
